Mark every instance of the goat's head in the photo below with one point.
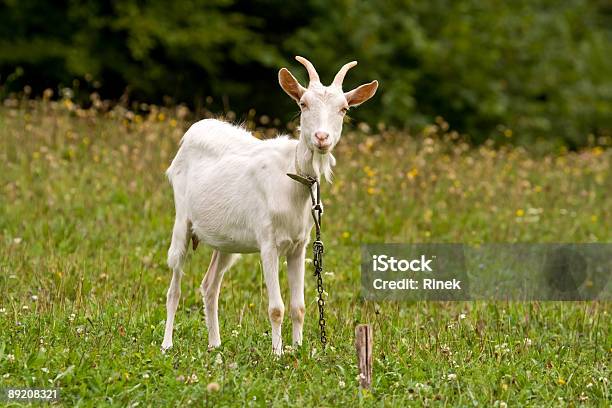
(323, 107)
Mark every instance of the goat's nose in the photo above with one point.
(321, 136)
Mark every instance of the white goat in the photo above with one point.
(231, 191)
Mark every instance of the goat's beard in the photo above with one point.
(323, 163)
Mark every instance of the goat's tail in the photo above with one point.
(177, 174)
(174, 170)
(178, 165)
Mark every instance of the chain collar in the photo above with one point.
(299, 176)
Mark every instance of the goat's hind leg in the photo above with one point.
(210, 288)
(176, 255)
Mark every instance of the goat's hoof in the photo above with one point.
(278, 352)
(211, 347)
(165, 347)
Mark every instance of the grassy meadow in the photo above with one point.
(85, 223)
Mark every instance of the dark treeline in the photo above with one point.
(527, 68)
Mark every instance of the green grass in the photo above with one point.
(85, 224)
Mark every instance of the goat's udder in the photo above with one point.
(194, 241)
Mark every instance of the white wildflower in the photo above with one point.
(502, 348)
(213, 387)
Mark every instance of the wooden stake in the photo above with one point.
(363, 344)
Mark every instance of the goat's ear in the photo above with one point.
(361, 94)
(290, 84)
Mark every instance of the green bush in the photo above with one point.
(539, 69)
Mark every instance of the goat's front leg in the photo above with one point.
(295, 276)
(276, 308)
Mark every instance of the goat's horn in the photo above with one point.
(339, 78)
(312, 72)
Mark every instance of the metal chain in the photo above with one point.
(317, 245)
(318, 249)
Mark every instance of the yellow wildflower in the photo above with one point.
(368, 171)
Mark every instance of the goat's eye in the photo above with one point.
(344, 110)
(303, 105)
